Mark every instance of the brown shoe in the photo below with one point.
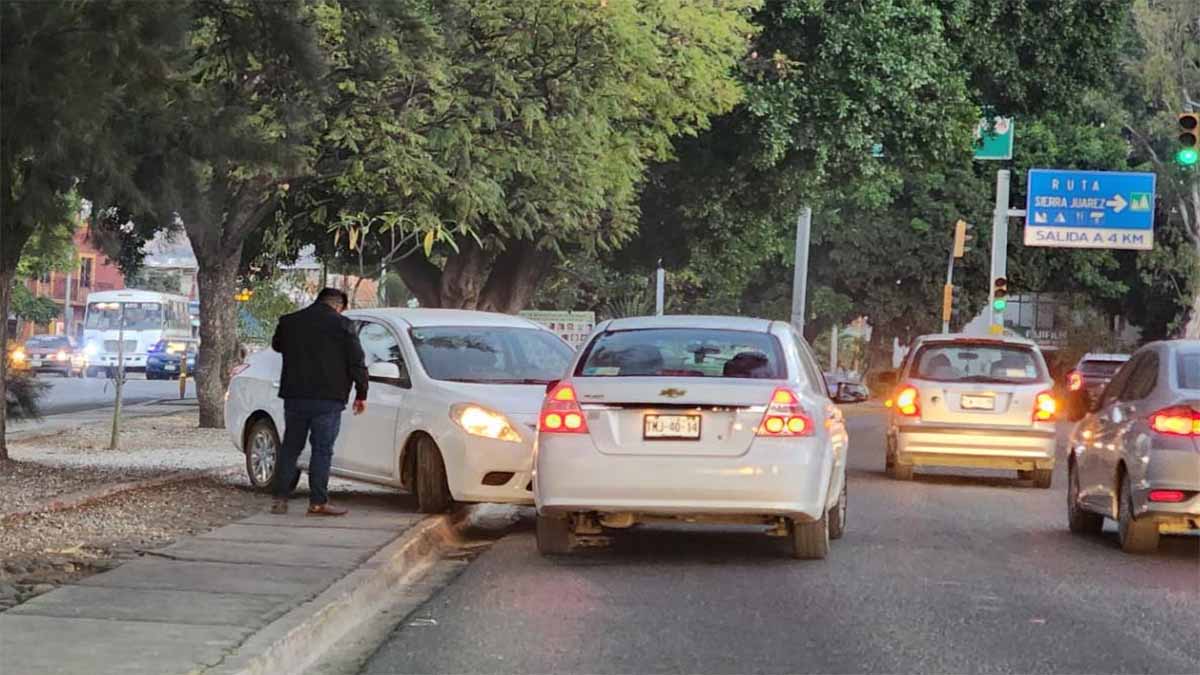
(326, 510)
(279, 506)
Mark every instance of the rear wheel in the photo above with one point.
(837, 517)
(1136, 535)
(433, 490)
(554, 535)
(1042, 478)
(810, 541)
(1079, 520)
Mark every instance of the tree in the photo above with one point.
(60, 64)
(40, 311)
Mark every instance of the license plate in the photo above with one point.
(35, 363)
(978, 402)
(168, 367)
(671, 426)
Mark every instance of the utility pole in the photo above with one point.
(999, 247)
(957, 250)
(68, 308)
(659, 288)
(833, 349)
(800, 276)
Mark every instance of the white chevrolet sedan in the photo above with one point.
(695, 419)
(451, 411)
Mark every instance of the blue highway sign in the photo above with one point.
(1090, 209)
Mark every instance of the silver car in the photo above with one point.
(973, 402)
(1136, 456)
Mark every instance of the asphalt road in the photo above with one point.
(944, 574)
(68, 395)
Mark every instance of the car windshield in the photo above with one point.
(48, 342)
(976, 362)
(1189, 370)
(683, 352)
(138, 315)
(1098, 368)
(491, 354)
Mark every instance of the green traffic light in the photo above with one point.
(999, 304)
(1187, 156)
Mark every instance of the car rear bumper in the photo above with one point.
(1170, 470)
(777, 477)
(944, 445)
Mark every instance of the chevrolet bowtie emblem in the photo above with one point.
(672, 392)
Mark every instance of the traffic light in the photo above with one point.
(1000, 295)
(1189, 139)
(961, 238)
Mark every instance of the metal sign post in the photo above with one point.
(999, 246)
(800, 276)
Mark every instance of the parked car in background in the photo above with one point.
(1135, 457)
(452, 407)
(707, 419)
(1087, 379)
(51, 354)
(965, 401)
(165, 359)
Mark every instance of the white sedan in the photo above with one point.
(696, 419)
(451, 412)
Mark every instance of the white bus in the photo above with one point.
(150, 316)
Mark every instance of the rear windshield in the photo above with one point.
(491, 354)
(683, 352)
(966, 362)
(1189, 371)
(1092, 368)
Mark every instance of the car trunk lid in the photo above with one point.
(978, 403)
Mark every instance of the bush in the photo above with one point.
(24, 394)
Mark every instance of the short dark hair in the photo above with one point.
(330, 295)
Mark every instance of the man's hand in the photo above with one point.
(360, 407)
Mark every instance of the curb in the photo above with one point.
(61, 423)
(299, 638)
(85, 497)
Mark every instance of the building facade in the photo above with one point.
(69, 290)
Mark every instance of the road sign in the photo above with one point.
(1090, 209)
(994, 140)
(574, 327)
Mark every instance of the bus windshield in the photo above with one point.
(138, 315)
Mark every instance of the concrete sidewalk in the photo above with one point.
(189, 607)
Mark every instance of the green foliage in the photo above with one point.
(258, 316)
(22, 396)
(25, 307)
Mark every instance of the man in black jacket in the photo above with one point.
(322, 357)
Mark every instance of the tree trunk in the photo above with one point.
(462, 277)
(516, 274)
(422, 278)
(6, 281)
(217, 281)
(1192, 329)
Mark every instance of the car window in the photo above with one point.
(380, 345)
(977, 362)
(1189, 370)
(1142, 379)
(812, 372)
(1115, 386)
(1099, 368)
(491, 354)
(683, 352)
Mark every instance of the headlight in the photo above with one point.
(61, 355)
(175, 347)
(91, 349)
(18, 356)
(479, 421)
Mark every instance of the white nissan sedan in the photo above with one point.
(451, 411)
(695, 419)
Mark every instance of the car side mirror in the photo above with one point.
(385, 370)
(849, 393)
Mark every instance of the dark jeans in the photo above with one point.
(317, 422)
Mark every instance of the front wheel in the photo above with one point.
(1042, 478)
(433, 490)
(900, 471)
(810, 541)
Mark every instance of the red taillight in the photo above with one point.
(1177, 421)
(1169, 496)
(785, 416)
(239, 368)
(561, 413)
(1045, 408)
(1074, 380)
(907, 401)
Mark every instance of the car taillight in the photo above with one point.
(1169, 496)
(1178, 421)
(561, 413)
(1074, 380)
(785, 416)
(238, 369)
(1045, 408)
(907, 401)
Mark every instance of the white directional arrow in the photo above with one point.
(1117, 203)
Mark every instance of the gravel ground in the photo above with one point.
(39, 551)
(25, 485)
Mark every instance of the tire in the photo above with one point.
(262, 455)
(554, 535)
(433, 491)
(810, 541)
(837, 517)
(1079, 520)
(1024, 474)
(901, 471)
(1136, 535)
(1042, 478)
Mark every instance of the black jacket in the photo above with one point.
(321, 355)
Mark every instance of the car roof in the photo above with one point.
(964, 337)
(428, 317)
(689, 321)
